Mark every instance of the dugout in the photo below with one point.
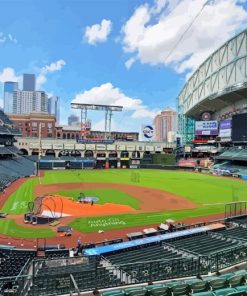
(124, 159)
(113, 160)
(101, 160)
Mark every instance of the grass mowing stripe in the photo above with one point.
(17, 203)
(10, 228)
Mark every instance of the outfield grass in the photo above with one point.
(199, 188)
(105, 196)
(17, 203)
(10, 228)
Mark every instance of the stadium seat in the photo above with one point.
(224, 292)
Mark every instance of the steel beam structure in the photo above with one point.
(223, 72)
(108, 109)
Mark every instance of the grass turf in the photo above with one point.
(209, 192)
(17, 203)
(10, 228)
(105, 196)
(92, 224)
(199, 188)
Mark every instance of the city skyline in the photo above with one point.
(117, 54)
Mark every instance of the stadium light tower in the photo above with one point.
(109, 109)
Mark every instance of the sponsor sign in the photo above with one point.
(34, 145)
(131, 148)
(125, 158)
(69, 146)
(58, 146)
(140, 148)
(46, 146)
(148, 132)
(149, 148)
(225, 124)
(120, 147)
(80, 146)
(206, 128)
(158, 148)
(225, 133)
(100, 147)
(90, 146)
(111, 147)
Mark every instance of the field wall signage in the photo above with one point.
(58, 146)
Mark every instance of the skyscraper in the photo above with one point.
(54, 107)
(29, 82)
(26, 102)
(166, 126)
(9, 88)
(73, 120)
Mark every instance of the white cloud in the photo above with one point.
(153, 30)
(8, 74)
(2, 38)
(53, 67)
(98, 32)
(129, 63)
(9, 37)
(12, 39)
(56, 66)
(107, 94)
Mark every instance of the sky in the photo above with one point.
(133, 53)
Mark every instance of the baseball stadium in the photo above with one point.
(134, 218)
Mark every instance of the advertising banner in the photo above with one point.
(225, 128)
(69, 146)
(80, 146)
(120, 147)
(209, 128)
(111, 147)
(100, 147)
(46, 146)
(58, 146)
(90, 146)
(225, 133)
(226, 124)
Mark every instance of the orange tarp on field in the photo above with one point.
(64, 205)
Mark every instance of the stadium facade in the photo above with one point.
(217, 90)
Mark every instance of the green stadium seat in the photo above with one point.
(241, 288)
(236, 280)
(135, 291)
(158, 290)
(179, 288)
(218, 283)
(224, 292)
(197, 285)
(113, 293)
(204, 294)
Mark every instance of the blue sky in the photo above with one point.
(115, 52)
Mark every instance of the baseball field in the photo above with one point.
(125, 198)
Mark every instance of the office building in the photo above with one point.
(73, 120)
(165, 125)
(25, 102)
(29, 82)
(9, 88)
(54, 107)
